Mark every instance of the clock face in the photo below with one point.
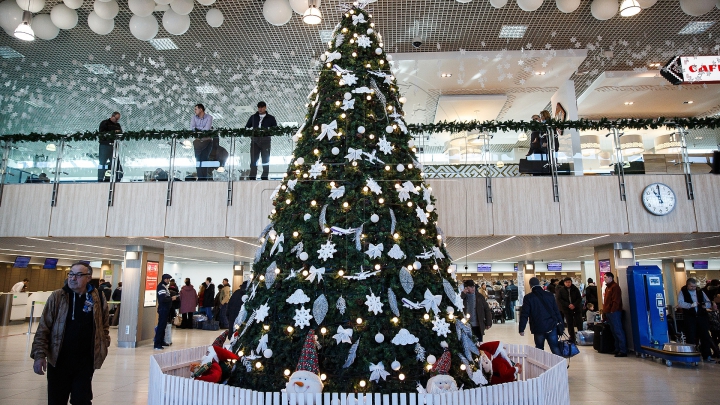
(658, 199)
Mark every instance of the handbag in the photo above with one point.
(714, 320)
(567, 348)
(177, 321)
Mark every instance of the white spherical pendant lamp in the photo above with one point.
(63, 17)
(604, 9)
(106, 10)
(100, 25)
(175, 23)
(697, 8)
(214, 17)
(143, 28)
(529, 5)
(182, 7)
(567, 6)
(44, 28)
(498, 3)
(277, 12)
(141, 8)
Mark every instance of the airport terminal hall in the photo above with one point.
(359, 202)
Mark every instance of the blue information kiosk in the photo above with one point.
(649, 320)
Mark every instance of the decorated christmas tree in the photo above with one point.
(352, 288)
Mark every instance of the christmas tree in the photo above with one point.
(353, 262)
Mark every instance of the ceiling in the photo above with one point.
(247, 59)
(463, 250)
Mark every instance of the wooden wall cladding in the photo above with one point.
(462, 206)
(524, 206)
(707, 197)
(251, 206)
(199, 209)
(25, 210)
(81, 210)
(680, 220)
(591, 205)
(138, 210)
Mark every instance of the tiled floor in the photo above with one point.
(594, 378)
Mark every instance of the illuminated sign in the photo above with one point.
(692, 70)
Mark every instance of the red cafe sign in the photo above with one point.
(692, 70)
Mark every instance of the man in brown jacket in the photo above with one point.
(72, 338)
(477, 310)
(612, 311)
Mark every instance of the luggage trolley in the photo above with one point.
(649, 318)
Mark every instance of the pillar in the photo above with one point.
(239, 276)
(566, 97)
(675, 277)
(138, 313)
(620, 256)
(526, 271)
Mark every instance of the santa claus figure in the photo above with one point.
(503, 369)
(441, 382)
(209, 368)
(306, 378)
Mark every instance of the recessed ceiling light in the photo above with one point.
(698, 137)
(446, 75)
(9, 53)
(98, 68)
(696, 27)
(513, 31)
(540, 73)
(37, 103)
(124, 100)
(207, 89)
(654, 65)
(163, 44)
(688, 102)
(629, 103)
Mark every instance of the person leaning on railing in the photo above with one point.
(105, 152)
(202, 122)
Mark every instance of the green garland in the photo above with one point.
(444, 126)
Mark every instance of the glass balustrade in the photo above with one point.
(473, 154)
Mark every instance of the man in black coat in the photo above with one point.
(540, 308)
(260, 145)
(571, 304)
(209, 298)
(236, 302)
(511, 297)
(591, 294)
(105, 152)
(164, 304)
(477, 310)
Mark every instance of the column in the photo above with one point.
(565, 96)
(239, 276)
(526, 271)
(616, 257)
(138, 313)
(675, 277)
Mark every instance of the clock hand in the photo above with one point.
(658, 194)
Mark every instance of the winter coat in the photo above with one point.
(188, 299)
(591, 295)
(539, 307)
(224, 295)
(567, 296)
(482, 311)
(51, 329)
(117, 294)
(209, 296)
(612, 301)
(512, 292)
(236, 302)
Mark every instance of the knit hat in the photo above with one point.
(442, 366)
(534, 281)
(309, 357)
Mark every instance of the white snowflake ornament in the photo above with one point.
(316, 169)
(364, 41)
(302, 317)
(349, 79)
(326, 251)
(373, 303)
(441, 327)
(385, 146)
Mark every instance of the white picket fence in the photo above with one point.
(544, 381)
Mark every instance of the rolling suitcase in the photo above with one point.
(585, 338)
(603, 340)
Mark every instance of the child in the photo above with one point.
(590, 315)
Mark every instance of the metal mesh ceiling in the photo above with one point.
(247, 59)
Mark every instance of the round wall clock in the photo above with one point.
(658, 199)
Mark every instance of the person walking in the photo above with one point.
(477, 310)
(72, 338)
(571, 304)
(612, 312)
(188, 303)
(546, 323)
(208, 299)
(695, 304)
(164, 304)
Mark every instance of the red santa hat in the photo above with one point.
(223, 354)
(496, 349)
(442, 366)
(309, 357)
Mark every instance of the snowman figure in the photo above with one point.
(306, 377)
(441, 382)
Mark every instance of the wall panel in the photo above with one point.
(680, 220)
(462, 206)
(81, 210)
(25, 210)
(590, 205)
(707, 196)
(524, 206)
(251, 206)
(138, 210)
(199, 209)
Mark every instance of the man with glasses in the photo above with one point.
(72, 338)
